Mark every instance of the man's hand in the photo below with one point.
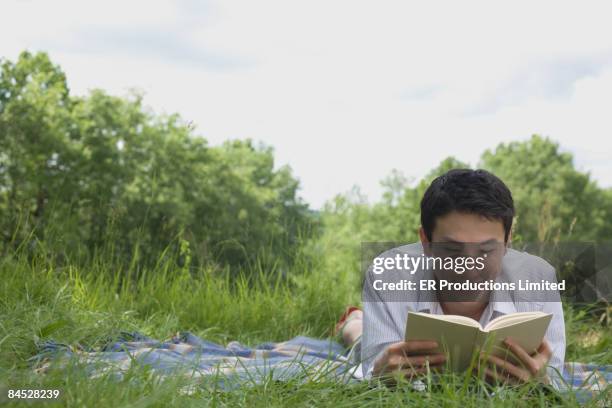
(531, 367)
(408, 359)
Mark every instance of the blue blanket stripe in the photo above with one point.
(300, 357)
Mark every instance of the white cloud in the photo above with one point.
(346, 90)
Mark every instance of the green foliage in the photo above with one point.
(554, 201)
(82, 173)
(42, 300)
(34, 139)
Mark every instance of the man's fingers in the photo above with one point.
(503, 365)
(407, 355)
(545, 349)
(496, 376)
(410, 373)
(533, 364)
(517, 350)
(413, 346)
(399, 361)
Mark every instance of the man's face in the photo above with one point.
(467, 235)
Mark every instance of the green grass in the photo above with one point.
(40, 299)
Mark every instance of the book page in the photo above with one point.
(512, 319)
(527, 333)
(456, 339)
(467, 321)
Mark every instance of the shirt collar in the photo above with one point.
(427, 301)
(501, 302)
(430, 307)
(503, 307)
(493, 309)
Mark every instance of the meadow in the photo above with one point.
(115, 218)
(87, 304)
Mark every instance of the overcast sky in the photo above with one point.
(345, 91)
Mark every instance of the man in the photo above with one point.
(471, 210)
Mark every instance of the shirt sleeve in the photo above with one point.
(379, 326)
(556, 337)
(556, 329)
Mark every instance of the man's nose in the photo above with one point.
(471, 251)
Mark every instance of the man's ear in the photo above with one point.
(508, 242)
(424, 241)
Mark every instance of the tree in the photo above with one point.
(35, 141)
(553, 200)
(97, 171)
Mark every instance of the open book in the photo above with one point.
(461, 336)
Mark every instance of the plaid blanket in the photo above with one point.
(235, 365)
(585, 380)
(301, 358)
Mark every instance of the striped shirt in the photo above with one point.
(384, 322)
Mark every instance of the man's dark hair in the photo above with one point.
(468, 191)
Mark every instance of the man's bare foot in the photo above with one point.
(350, 325)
